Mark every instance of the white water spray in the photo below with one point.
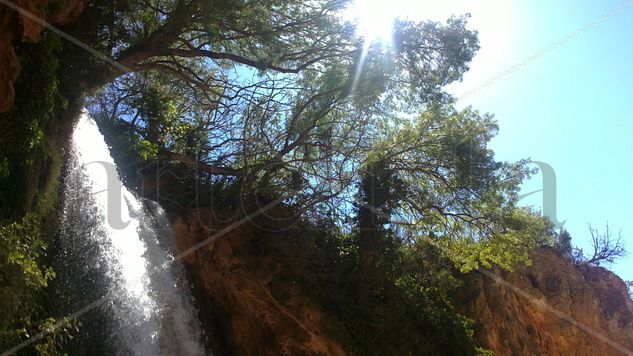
(115, 242)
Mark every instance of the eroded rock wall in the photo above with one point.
(571, 310)
(256, 318)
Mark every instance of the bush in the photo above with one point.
(563, 244)
(23, 276)
(31, 138)
(407, 310)
(28, 152)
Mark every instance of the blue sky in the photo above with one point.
(570, 107)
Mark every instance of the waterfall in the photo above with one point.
(116, 245)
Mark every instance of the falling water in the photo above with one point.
(115, 249)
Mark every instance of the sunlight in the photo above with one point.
(494, 20)
(375, 18)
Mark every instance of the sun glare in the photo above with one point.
(493, 19)
(375, 18)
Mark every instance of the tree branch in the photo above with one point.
(213, 170)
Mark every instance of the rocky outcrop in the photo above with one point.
(258, 313)
(23, 26)
(551, 308)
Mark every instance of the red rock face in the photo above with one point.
(29, 29)
(15, 26)
(591, 312)
(256, 318)
(571, 310)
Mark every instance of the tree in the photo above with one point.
(275, 85)
(379, 194)
(563, 243)
(285, 95)
(456, 195)
(605, 248)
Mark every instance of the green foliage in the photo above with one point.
(25, 155)
(563, 243)
(275, 92)
(31, 140)
(406, 311)
(457, 48)
(269, 89)
(379, 193)
(520, 231)
(56, 332)
(162, 112)
(454, 193)
(147, 150)
(22, 247)
(23, 275)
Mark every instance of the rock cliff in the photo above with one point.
(553, 307)
(550, 308)
(255, 314)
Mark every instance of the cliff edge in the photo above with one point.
(553, 307)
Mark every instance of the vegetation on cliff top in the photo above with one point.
(288, 98)
(266, 100)
(244, 103)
